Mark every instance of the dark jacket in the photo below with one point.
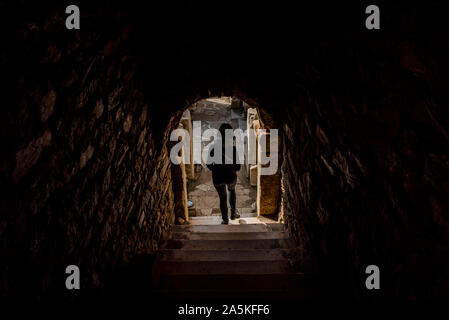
(224, 173)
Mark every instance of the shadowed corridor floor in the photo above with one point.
(251, 257)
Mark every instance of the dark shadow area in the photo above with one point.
(85, 172)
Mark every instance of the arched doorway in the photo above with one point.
(258, 191)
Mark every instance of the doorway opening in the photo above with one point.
(258, 196)
(249, 256)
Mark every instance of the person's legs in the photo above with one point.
(232, 200)
(221, 190)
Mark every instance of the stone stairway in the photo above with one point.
(242, 260)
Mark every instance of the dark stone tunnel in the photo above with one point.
(86, 117)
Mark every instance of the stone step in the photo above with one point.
(244, 213)
(223, 267)
(229, 236)
(216, 220)
(225, 255)
(221, 228)
(228, 244)
(194, 212)
(234, 283)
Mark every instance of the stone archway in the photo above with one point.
(268, 186)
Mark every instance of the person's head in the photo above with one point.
(225, 126)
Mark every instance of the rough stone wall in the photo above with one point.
(84, 181)
(366, 166)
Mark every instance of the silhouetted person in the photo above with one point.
(224, 175)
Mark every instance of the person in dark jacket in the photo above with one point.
(224, 175)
